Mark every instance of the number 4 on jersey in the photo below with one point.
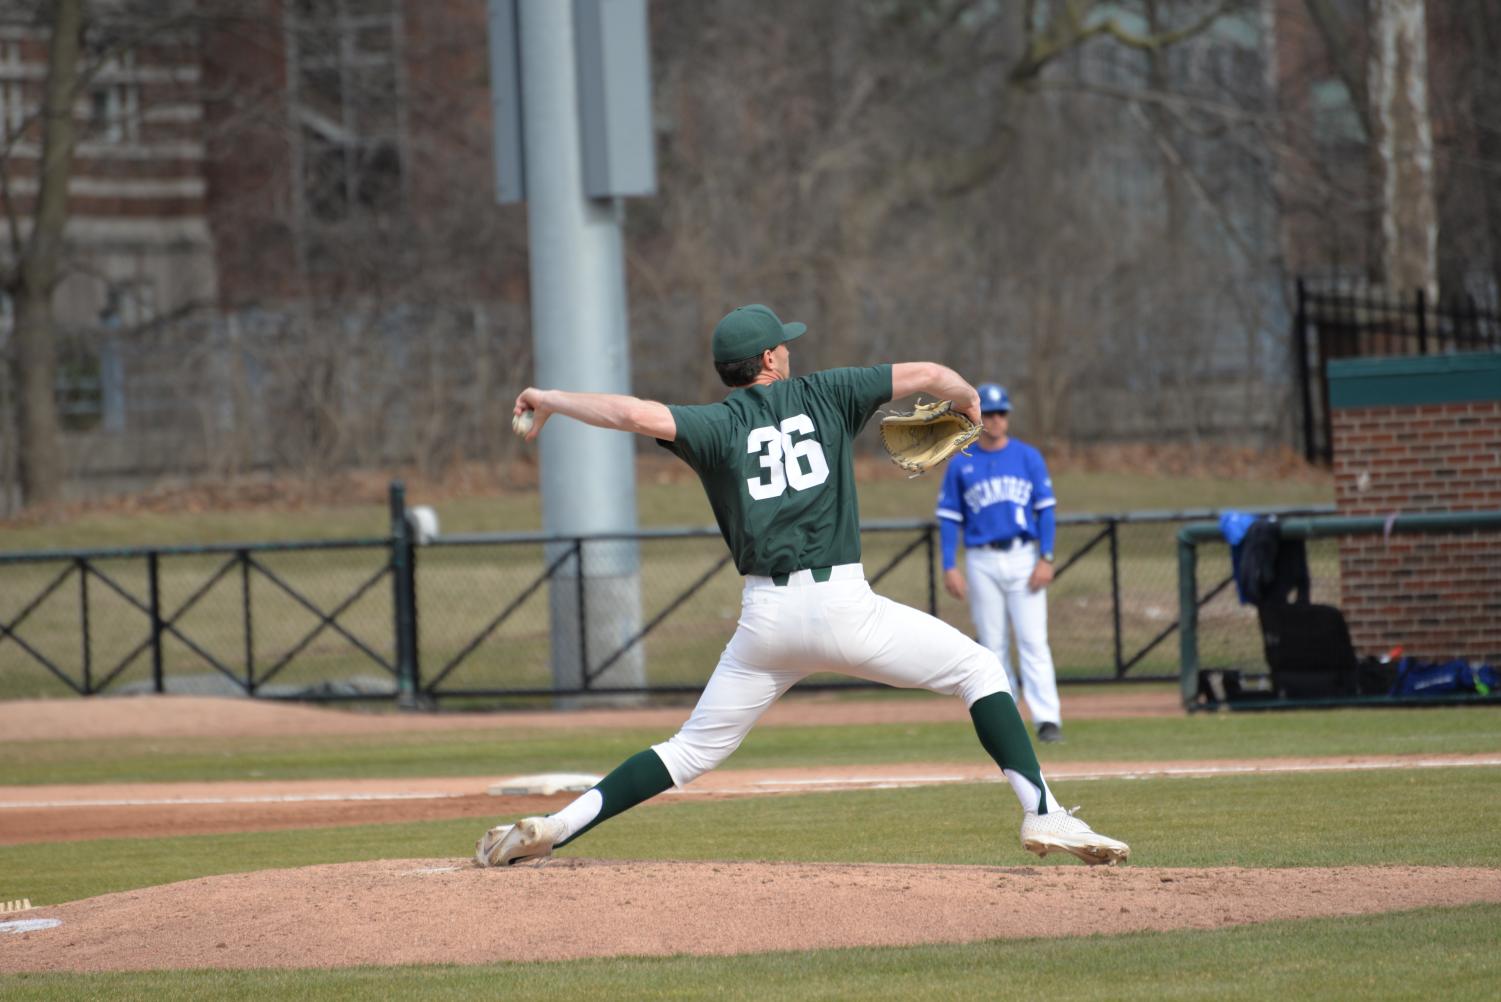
(782, 458)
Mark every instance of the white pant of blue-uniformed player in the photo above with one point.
(1002, 605)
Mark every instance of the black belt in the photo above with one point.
(1006, 544)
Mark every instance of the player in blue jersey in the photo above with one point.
(1001, 498)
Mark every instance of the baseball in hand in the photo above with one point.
(521, 423)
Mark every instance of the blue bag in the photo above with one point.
(1428, 678)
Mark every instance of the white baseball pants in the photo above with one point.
(790, 632)
(1001, 604)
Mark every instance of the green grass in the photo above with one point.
(1305, 819)
(1418, 955)
(657, 505)
(507, 749)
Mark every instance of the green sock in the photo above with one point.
(1005, 737)
(638, 778)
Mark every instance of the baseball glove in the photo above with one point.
(920, 439)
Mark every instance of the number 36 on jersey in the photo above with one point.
(790, 457)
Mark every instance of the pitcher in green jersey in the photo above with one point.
(776, 459)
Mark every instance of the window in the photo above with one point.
(346, 96)
(115, 102)
(128, 305)
(12, 95)
(79, 390)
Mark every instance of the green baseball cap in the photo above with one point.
(749, 330)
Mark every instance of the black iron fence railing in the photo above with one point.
(1336, 319)
(490, 616)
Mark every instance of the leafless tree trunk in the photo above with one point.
(1485, 107)
(1403, 144)
(40, 258)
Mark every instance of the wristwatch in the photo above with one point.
(1047, 555)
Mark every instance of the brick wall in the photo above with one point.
(1437, 595)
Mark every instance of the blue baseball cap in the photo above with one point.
(747, 331)
(993, 399)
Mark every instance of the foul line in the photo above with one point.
(288, 798)
(826, 784)
(833, 783)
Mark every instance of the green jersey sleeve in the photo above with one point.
(703, 440)
(857, 392)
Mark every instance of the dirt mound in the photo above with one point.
(431, 911)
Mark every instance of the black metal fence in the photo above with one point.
(484, 617)
(1334, 320)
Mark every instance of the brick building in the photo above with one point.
(1420, 434)
(138, 239)
(281, 219)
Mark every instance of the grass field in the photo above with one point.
(657, 504)
(477, 753)
(1427, 817)
(1382, 818)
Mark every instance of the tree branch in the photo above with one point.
(1156, 43)
(1175, 160)
(1069, 30)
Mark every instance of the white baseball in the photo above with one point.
(521, 423)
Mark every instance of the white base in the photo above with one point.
(544, 784)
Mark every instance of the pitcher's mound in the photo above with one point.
(434, 911)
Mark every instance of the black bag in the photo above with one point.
(1375, 678)
(1309, 651)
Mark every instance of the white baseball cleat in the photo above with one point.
(527, 840)
(1060, 831)
(490, 840)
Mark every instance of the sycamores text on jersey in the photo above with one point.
(994, 490)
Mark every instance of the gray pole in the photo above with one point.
(579, 334)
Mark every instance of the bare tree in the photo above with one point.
(1482, 81)
(1402, 142)
(38, 256)
(84, 41)
(1071, 195)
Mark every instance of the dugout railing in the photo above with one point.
(1199, 542)
(465, 618)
